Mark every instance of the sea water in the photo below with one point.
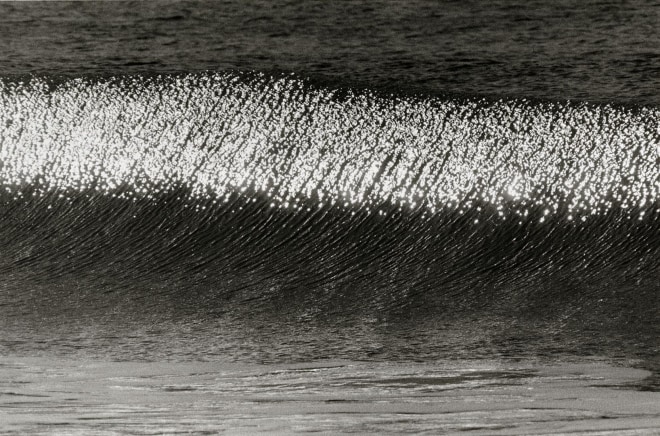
(256, 217)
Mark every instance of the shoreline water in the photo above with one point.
(64, 396)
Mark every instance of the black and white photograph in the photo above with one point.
(282, 217)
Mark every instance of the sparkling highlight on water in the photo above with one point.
(282, 138)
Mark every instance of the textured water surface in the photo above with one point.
(482, 397)
(593, 50)
(454, 204)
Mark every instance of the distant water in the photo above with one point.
(604, 51)
(380, 182)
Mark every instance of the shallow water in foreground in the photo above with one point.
(96, 397)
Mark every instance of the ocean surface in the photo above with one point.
(324, 216)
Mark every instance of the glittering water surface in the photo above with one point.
(220, 134)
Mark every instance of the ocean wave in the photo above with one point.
(240, 191)
(288, 140)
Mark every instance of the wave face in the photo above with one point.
(208, 197)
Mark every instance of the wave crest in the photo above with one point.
(291, 142)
